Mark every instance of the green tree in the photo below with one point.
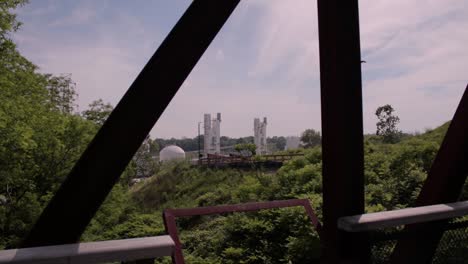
(311, 138)
(39, 146)
(8, 22)
(144, 162)
(246, 148)
(40, 137)
(277, 143)
(62, 92)
(98, 111)
(387, 124)
(153, 147)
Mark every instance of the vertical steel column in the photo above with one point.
(443, 185)
(100, 166)
(342, 129)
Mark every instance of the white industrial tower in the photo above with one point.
(292, 142)
(260, 136)
(212, 144)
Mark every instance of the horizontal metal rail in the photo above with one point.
(93, 252)
(226, 160)
(374, 221)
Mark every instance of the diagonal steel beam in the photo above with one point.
(342, 129)
(443, 185)
(75, 203)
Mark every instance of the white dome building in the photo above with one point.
(171, 153)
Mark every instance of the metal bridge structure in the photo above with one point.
(237, 161)
(99, 168)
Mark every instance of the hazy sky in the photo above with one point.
(264, 62)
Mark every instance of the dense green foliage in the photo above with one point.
(249, 149)
(394, 175)
(310, 138)
(8, 22)
(97, 112)
(40, 137)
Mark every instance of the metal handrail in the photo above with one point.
(374, 221)
(93, 252)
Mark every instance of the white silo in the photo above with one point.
(260, 136)
(212, 135)
(171, 152)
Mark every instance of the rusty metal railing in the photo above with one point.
(170, 216)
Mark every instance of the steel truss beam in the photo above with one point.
(79, 197)
(444, 184)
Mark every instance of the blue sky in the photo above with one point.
(264, 62)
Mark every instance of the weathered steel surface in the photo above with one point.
(99, 168)
(443, 185)
(375, 221)
(170, 216)
(342, 129)
(92, 252)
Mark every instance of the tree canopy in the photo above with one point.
(310, 138)
(98, 111)
(41, 137)
(8, 22)
(387, 124)
(248, 149)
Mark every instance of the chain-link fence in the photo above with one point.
(453, 247)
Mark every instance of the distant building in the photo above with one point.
(260, 136)
(170, 153)
(292, 142)
(212, 135)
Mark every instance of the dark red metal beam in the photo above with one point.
(170, 216)
(100, 166)
(342, 129)
(443, 185)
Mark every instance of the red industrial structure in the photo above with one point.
(270, 160)
(170, 216)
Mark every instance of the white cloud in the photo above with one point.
(415, 50)
(418, 58)
(103, 62)
(238, 110)
(78, 16)
(287, 39)
(220, 55)
(47, 9)
(415, 53)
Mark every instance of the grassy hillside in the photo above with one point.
(394, 175)
(274, 236)
(436, 134)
